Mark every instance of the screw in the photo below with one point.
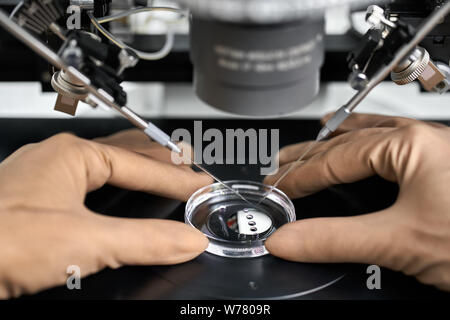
(441, 85)
(253, 285)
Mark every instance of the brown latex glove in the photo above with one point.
(413, 235)
(45, 227)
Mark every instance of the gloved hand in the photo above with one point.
(45, 227)
(413, 235)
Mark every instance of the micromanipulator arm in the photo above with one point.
(345, 111)
(95, 97)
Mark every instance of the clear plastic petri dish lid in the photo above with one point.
(234, 228)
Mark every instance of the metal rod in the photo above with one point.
(56, 29)
(344, 112)
(422, 32)
(98, 96)
(30, 41)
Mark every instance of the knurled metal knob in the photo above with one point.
(412, 67)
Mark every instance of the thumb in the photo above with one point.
(359, 239)
(148, 241)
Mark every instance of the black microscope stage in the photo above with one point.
(209, 276)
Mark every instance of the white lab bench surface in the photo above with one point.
(26, 100)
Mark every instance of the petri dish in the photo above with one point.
(235, 228)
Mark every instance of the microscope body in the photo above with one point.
(259, 60)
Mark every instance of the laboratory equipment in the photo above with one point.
(234, 228)
(266, 277)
